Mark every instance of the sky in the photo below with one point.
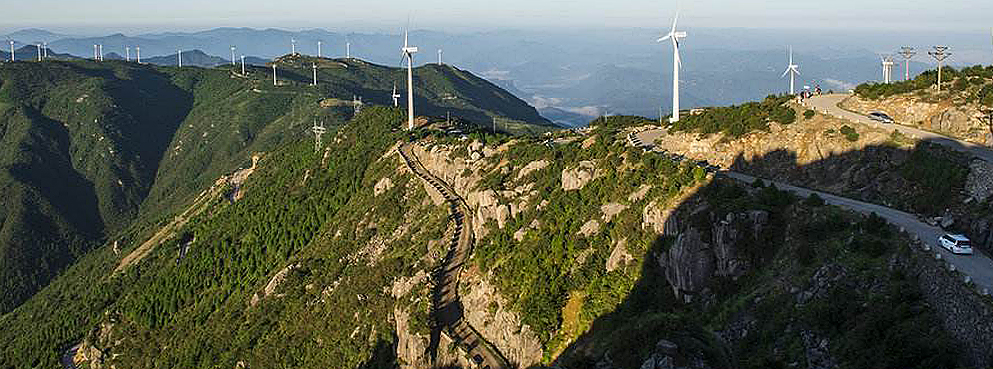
(96, 16)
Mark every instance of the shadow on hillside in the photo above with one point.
(654, 310)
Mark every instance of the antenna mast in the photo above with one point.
(940, 54)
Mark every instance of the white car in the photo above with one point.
(956, 243)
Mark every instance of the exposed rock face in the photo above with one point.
(590, 228)
(274, 282)
(979, 183)
(688, 264)
(488, 207)
(383, 185)
(493, 317)
(955, 118)
(532, 167)
(411, 348)
(619, 256)
(656, 217)
(611, 209)
(640, 193)
(576, 178)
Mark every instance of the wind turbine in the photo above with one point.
(39, 51)
(348, 50)
(243, 65)
(674, 36)
(887, 68)
(101, 52)
(127, 53)
(408, 52)
(318, 49)
(793, 70)
(294, 43)
(45, 49)
(137, 50)
(314, 66)
(179, 53)
(274, 72)
(95, 56)
(396, 96)
(11, 51)
(439, 57)
(232, 55)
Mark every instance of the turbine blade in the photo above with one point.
(665, 38)
(785, 73)
(674, 20)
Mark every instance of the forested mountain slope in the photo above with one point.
(90, 149)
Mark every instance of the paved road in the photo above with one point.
(447, 308)
(828, 104)
(978, 266)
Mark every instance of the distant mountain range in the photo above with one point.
(606, 72)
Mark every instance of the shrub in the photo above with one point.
(849, 133)
(813, 200)
(808, 114)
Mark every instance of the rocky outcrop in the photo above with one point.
(691, 262)
(610, 210)
(619, 257)
(589, 228)
(383, 185)
(659, 219)
(532, 167)
(412, 348)
(577, 178)
(955, 118)
(493, 317)
(979, 183)
(487, 206)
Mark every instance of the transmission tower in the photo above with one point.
(319, 131)
(907, 53)
(887, 68)
(940, 53)
(357, 104)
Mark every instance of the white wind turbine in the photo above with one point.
(793, 70)
(408, 52)
(232, 55)
(11, 51)
(674, 36)
(127, 53)
(179, 54)
(137, 50)
(318, 49)
(294, 43)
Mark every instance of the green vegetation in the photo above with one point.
(972, 79)
(936, 173)
(807, 114)
(736, 121)
(849, 132)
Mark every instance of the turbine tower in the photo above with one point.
(232, 55)
(294, 43)
(887, 68)
(396, 96)
(793, 70)
(243, 65)
(101, 52)
(179, 53)
(940, 54)
(95, 56)
(127, 53)
(137, 50)
(274, 73)
(439, 57)
(314, 66)
(408, 52)
(348, 50)
(11, 51)
(907, 53)
(45, 49)
(674, 36)
(39, 51)
(318, 49)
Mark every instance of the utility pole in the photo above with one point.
(940, 54)
(907, 53)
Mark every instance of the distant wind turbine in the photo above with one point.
(408, 52)
(101, 52)
(137, 50)
(348, 50)
(674, 36)
(793, 70)
(232, 55)
(274, 73)
(314, 66)
(318, 49)
(11, 51)
(243, 65)
(439, 57)
(45, 49)
(127, 53)
(39, 51)
(294, 43)
(179, 53)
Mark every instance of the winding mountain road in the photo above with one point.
(447, 308)
(828, 104)
(978, 266)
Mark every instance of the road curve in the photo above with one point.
(978, 266)
(447, 310)
(828, 104)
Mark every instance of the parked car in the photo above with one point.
(956, 243)
(880, 117)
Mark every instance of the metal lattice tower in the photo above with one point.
(940, 53)
(357, 104)
(907, 53)
(319, 131)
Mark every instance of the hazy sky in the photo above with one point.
(366, 15)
